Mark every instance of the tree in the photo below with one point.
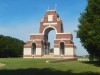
(10, 47)
(89, 29)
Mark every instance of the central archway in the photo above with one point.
(47, 42)
(51, 38)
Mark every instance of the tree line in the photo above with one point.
(10, 47)
(89, 29)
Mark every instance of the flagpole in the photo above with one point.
(48, 7)
(55, 6)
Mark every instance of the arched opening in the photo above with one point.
(62, 48)
(33, 48)
(49, 36)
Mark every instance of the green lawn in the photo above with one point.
(20, 66)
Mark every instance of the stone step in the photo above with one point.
(47, 56)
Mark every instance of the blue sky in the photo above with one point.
(20, 18)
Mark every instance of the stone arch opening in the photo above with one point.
(46, 32)
(62, 48)
(51, 38)
(48, 29)
(47, 41)
(33, 48)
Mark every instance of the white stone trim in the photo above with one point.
(50, 23)
(62, 39)
(50, 17)
(27, 51)
(49, 27)
(64, 44)
(65, 33)
(38, 51)
(69, 51)
(56, 51)
(27, 57)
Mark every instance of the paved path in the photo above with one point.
(61, 60)
(1, 65)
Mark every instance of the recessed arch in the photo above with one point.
(48, 28)
(33, 48)
(51, 38)
(62, 48)
(46, 31)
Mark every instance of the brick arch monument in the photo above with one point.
(39, 47)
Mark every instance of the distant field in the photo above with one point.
(20, 66)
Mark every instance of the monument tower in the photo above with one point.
(39, 47)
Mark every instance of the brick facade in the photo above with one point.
(50, 21)
(45, 23)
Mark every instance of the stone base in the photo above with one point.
(27, 56)
(49, 56)
(37, 56)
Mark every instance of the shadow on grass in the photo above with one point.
(45, 71)
(94, 63)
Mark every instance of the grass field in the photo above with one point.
(20, 66)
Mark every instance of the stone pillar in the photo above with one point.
(38, 51)
(56, 51)
(27, 52)
(69, 51)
